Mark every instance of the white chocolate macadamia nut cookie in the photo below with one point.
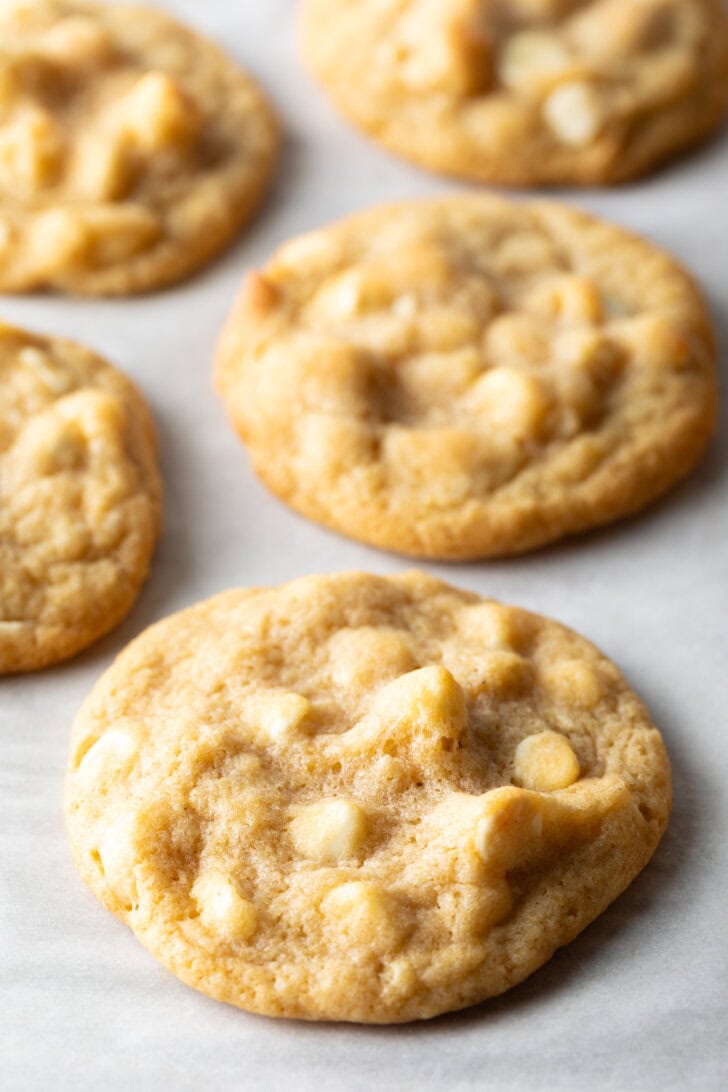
(525, 92)
(361, 798)
(80, 498)
(467, 377)
(131, 149)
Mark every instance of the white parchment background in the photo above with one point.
(639, 1000)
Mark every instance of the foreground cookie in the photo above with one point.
(468, 377)
(131, 149)
(79, 498)
(526, 91)
(361, 798)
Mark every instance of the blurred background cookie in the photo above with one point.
(80, 498)
(131, 149)
(525, 92)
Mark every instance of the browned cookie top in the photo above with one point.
(361, 798)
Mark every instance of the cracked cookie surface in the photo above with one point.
(131, 149)
(361, 798)
(525, 92)
(469, 377)
(80, 498)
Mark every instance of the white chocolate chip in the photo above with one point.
(492, 625)
(329, 831)
(78, 41)
(532, 56)
(442, 45)
(348, 298)
(427, 64)
(222, 908)
(51, 444)
(118, 855)
(405, 306)
(158, 114)
(114, 752)
(40, 363)
(103, 168)
(574, 112)
(278, 717)
(511, 824)
(400, 977)
(511, 400)
(567, 299)
(96, 413)
(56, 238)
(426, 707)
(364, 657)
(546, 762)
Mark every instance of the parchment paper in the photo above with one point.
(639, 1000)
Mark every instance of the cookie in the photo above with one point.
(131, 149)
(468, 377)
(361, 798)
(80, 498)
(525, 92)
